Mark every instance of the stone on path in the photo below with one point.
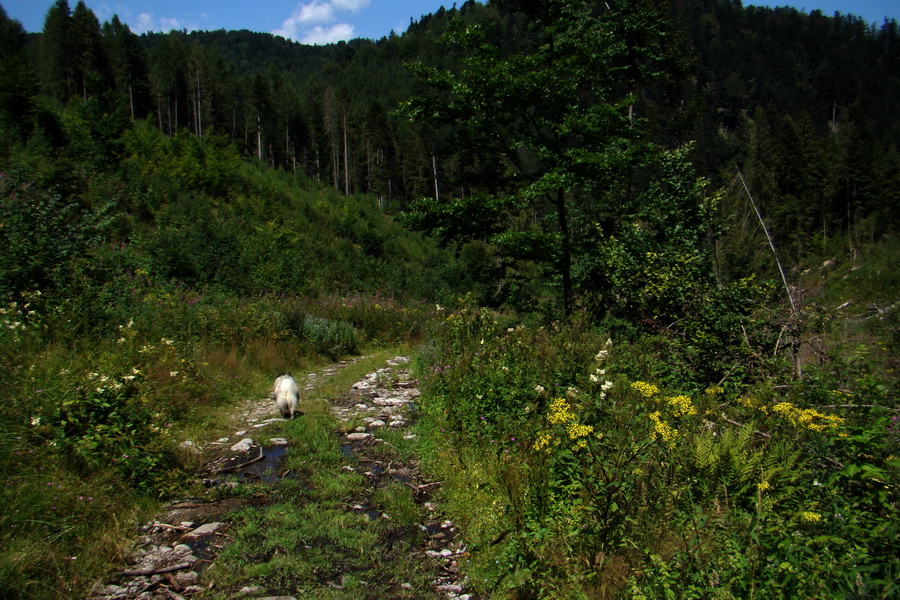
(243, 446)
(203, 531)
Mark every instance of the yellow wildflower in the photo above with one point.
(647, 390)
(764, 486)
(543, 441)
(810, 517)
(576, 431)
(806, 418)
(681, 405)
(560, 412)
(662, 430)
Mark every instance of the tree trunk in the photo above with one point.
(258, 138)
(565, 262)
(346, 158)
(437, 197)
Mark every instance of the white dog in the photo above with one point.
(286, 395)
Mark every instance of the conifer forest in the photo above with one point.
(643, 256)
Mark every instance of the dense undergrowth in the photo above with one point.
(587, 467)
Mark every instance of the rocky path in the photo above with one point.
(173, 553)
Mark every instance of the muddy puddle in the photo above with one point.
(269, 469)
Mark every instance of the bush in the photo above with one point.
(330, 338)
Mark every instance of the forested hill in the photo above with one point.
(246, 51)
(804, 103)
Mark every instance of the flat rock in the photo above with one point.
(243, 446)
(390, 401)
(250, 590)
(358, 437)
(203, 530)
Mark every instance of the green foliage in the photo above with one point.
(42, 232)
(210, 165)
(597, 482)
(149, 276)
(331, 338)
(488, 390)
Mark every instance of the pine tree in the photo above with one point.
(92, 73)
(57, 52)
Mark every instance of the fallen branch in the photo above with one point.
(143, 572)
(733, 422)
(861, 406)
(175, 527)
(246, 464)
(787, 288)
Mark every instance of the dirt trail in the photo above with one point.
(171, 557)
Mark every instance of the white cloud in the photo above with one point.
(166, 24)
(142, 24)
(307, 23)
(328, 35)
(351, 5)
(145, 22)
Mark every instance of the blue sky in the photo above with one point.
(325, 21)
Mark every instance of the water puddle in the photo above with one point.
(270, 469)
